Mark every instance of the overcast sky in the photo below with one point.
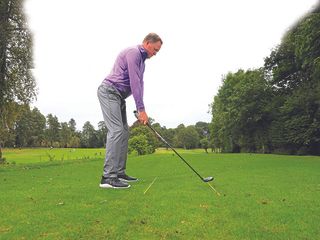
(77, 41)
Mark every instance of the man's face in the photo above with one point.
(152, 48)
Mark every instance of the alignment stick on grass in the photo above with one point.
(214, 189)
(150, 185)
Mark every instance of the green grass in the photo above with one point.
(28, 155)
(262, 197)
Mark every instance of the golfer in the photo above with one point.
(126, 78)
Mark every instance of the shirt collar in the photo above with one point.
(143, 52)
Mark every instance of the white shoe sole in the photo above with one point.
(126, 181)
(110, 186)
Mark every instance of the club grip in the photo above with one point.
(136, 114)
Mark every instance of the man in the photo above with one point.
(126, 78)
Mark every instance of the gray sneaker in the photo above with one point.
(112, 183)
(126, 178)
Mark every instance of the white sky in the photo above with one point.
(77, 41)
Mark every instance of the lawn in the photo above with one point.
(261, 197)
(35, 155)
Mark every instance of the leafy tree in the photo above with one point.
(276, 107)
(217, 128)
(38, 126)
(53, 130)
(139, 144)
(297, 129)
(167, 134)
(16, 81)
(65, 135)
(30, 128)
(160, 130)
(75, 135)
(203, 131)
(204, 144)
(7, 135)
(89, 137)
(177, 141)
(72, 125)
(294, 67)
(142, 130)
(188, 137)
(102, 133)
(75, 141)
(202, 128)
(241, 113)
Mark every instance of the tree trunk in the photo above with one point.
(4, 18)
(0, 153)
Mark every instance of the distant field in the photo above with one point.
(35, 155)
(261, 197)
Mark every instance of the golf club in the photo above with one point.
(207, 179)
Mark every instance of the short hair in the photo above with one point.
(153, 38)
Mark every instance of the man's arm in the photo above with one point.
(136, 83)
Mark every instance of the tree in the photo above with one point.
(241, 113)
(38, 126)
(177, 141)
(141, 130)
(204, 144)
(72, 125)
(102, 133)
(75, 141)
(75, 135)
(188, 137)
(139, 144)
(203, 131)
(167, 134)
(16, 81)
(65, 135)
(294, 67)
(12, 112)
(53, 130)
(89, 137)
(30, 127)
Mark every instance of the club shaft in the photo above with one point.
(163, 140)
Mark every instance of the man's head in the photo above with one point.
(152, 44)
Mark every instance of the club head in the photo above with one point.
(207, 179)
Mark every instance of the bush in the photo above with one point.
(3, 161)
(140, 145)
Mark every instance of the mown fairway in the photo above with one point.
(262, 197)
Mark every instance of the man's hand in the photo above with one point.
(143, 117)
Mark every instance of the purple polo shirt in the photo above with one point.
(127, 74)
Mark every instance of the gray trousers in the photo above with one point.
(115, 117)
